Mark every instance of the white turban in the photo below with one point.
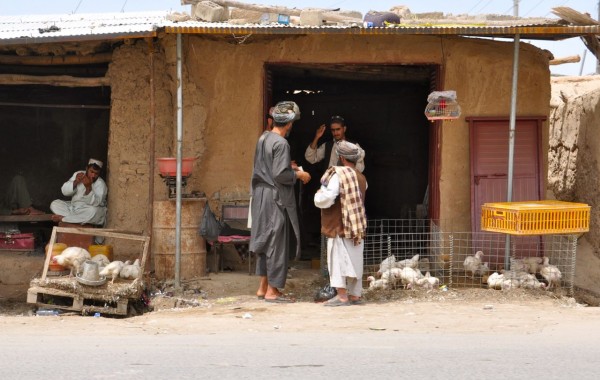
(93, 161)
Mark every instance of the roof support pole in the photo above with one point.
(511, 139)
(178, 177)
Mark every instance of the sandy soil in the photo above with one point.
(226, 297)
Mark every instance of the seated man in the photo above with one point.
(17, 200)
(88, 197)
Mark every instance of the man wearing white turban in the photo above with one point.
(88, 197)
(341, 199)
(273, 205)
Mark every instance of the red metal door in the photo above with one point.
(489, 171)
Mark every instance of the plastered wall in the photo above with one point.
(223, 110)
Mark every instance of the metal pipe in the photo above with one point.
(511, 140)
(582, 62)
(178, 177)
(152, 142)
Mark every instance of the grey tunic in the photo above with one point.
(273, 204)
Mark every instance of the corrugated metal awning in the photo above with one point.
(77, 27)
(106, 26)
(535, 32)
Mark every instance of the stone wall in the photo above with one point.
(574, 151)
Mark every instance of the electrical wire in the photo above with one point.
(475, 6)
(561, 5)
(532, 9)
(77, 7)
(485, 6)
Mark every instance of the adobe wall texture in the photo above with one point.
(223, 114)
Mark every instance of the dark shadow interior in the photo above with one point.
(49, 132)
(383, 108)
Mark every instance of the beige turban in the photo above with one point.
(351, 152)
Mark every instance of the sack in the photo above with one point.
(17, 242)
(326, 293)
(210, 227)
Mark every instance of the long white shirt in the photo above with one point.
(317, 155)
(96, 197)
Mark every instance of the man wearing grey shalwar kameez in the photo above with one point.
(273, 203)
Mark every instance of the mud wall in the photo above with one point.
(481, 72)
(229, 110)
(129, 150)
(574, 151)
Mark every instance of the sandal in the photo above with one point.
(336, 302)
(280, 299)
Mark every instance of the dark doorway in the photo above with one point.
(49, 132)
(383, 107)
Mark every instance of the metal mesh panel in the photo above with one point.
(450, 257)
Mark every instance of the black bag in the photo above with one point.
(325, 293)
(210, 228)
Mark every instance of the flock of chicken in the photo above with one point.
(74, 257)
(405, 272)
(522, 273)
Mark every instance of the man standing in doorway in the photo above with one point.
(341, 199)
(325, 151)
(273, 204)
(88, 197)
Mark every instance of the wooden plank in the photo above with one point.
(53, 80)
(49, 60)
(568, 59)
(49, 253)
(102, 232)
(26, 218)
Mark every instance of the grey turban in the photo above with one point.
(351, 152)
(285, 111)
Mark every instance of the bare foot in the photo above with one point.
(20, 211)
(35, 211)
(57, 218)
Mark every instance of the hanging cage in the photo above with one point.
(442, 105)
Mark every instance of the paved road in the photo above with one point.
(564, 352)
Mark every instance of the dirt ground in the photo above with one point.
(233, 294)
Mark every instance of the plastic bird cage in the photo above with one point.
(442, 105)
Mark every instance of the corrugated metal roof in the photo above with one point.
(74, 27)
(545, 31)
(46, 28)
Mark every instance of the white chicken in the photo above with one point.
(534, 263)
(112, 270)
(377, 284)
(495, 280)
(101, 259)
(473, 263)
(73, 258)
(408, 276)
(551, 273)
(408, 263)
(392, 275)
(428, 282)
(386, 264)
(131, 271)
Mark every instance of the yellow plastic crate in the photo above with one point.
(535, 217)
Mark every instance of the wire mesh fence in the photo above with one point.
(417, 253)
